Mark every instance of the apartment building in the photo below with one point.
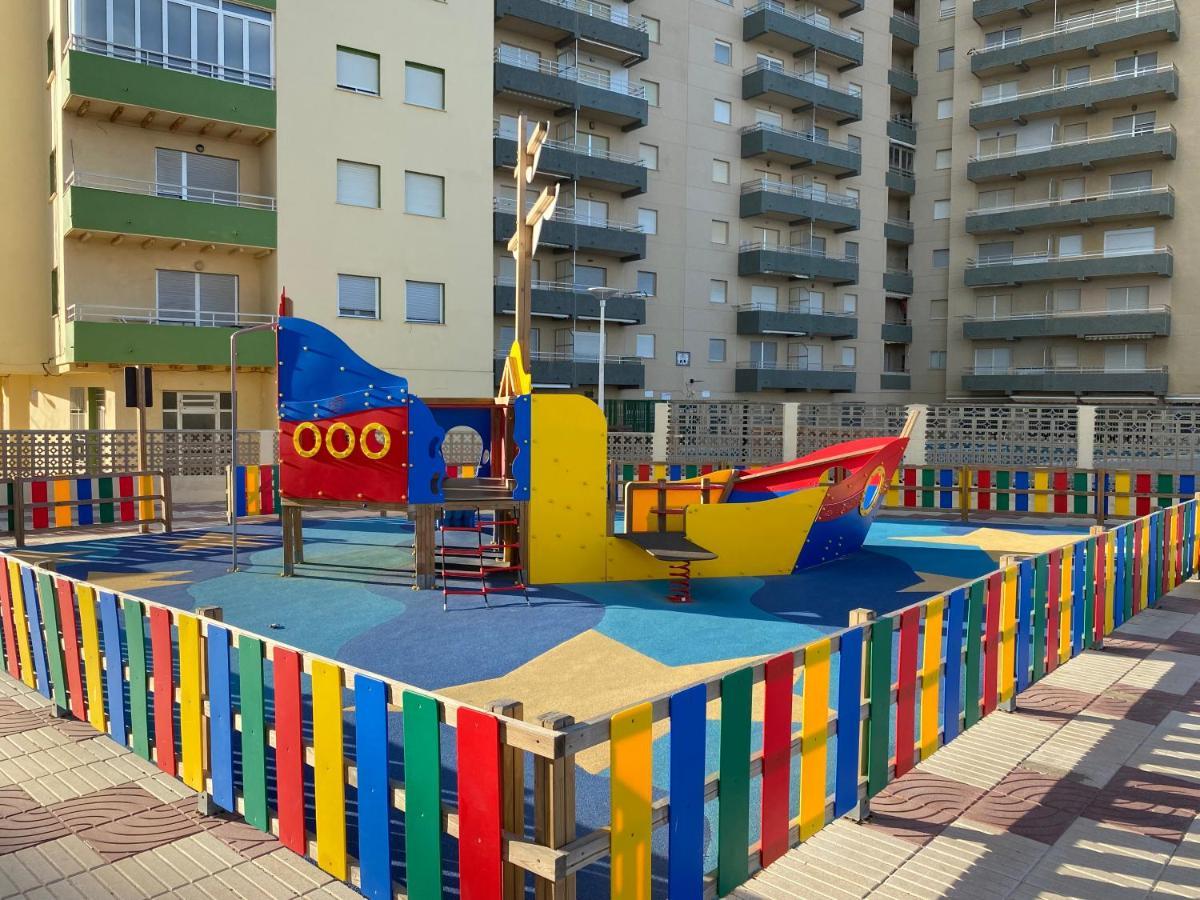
(180, 163)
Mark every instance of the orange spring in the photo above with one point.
(680, 580)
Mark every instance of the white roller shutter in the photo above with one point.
(217, 299)
(357, 71)
(1128, 240)
(358, 296)
(423, 302)
(357, 183)
(176, 298)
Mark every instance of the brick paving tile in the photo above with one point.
(1053, 702)
(187, 806)
(1149, 803)
(15, 800)
(1005, 812)
(920, 805)
(73, 728)
(28, 829)
(141, 831)
(106, 805)
(1130, 647)
(1065, 793)
(1123, 701)
(246, 839)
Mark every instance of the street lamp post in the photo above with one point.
(602, 294)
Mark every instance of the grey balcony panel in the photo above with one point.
(1068, 382)
(626, 177)
(1090, 40)
(1155, 322)
(905, 132)
(556, 21)
(1085, 211)
(896, 333)
(905, 30)
(898, 282)
(615, 107)
(793, 380)
(1086, 154)
(627, 245)
(766, 321)
(800, 151)
(895, 381)
(798, 265)
(1066, 268)
(901, 181)
(798, 35)
(800, 94)
(899, 232)
(837, 216)
(1086, 96)
(575, 373)
(624, 309)
(904, 82)
(983, 9)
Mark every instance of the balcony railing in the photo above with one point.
(510, 134)
(162, 60)
(900, 223)
(618, 15)
(1025, 259)
(800, 308)
(568, 73)
(1066, 314)
(1083, 21)
(800, 192)
(571, 356)
(568, 216)
(168, 190)
(1095, 139)
(899, 273)
(1064, 370)
(790, 366)
(1052, 202)
(810, 19)
(566, 287)
(746, 246)
(800, 136)
(816, 78)
(138, 315)
(1067, 86)
(901, 170)
(905, 17)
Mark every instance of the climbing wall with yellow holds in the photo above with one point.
(568, 520)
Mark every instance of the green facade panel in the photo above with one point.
(131, 343)
(94, 209)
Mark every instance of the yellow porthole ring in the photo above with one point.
(350, 440)
(385, 438)
(301, 429)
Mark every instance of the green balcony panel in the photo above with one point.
(1068, 382)
(1161, 143)
(127, 343)
(1082, 268)
(622, 242)
(898, 231)
(548, 84)
(800, 150)
(771, 260)
(905, 29)
(902, 130)
(902, 182)
(795, 205)
(898, 282)
(753, 379)
(571, 373)
(895, 381)
(615, 173)
(986, 9)
(1083, 97)
(896, 332)
(792, 89)
(1102, 323)
(1152, 204)
(93, 209)
(902, 81)
(564, 21)
(560, 302)
(784, 321)
(798, 34)
(182, 93)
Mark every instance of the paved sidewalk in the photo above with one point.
(1091, 789)
(81, 817)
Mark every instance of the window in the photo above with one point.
(54, 292)
(722, 112)
(1138, 123)
(1001, 38)
(768, 117)
(196, 410)
(651, 89)
(50, 54)
(938, 309)
(1128, 240)
(358, 297)
(992, 360)
(946, 9)
(941, 209)
(720, 171)
(998, 199)
(850, 249)
(591, 212)
(648, 155)
(1131, 181)
(993, 306)
(723, 52)
(357, 184)
(580, 275)
(945, 108)
(1136, 64)
(358, 71)
(424, 86)
(648, 220)
(1064, 356)
(1125, 358)
(850, 304)
(941, 259)
(195, 176)
(1072, 188)
(720, 232)
(937, 359)
(195, 298)
(1124, 299)
(993, 93)
(1070, 245)
(718, 291)
(945, 60)
(764, 353)
(643, 347)
(942, 159)
(424, 302)
(848, 357)
(508, 334)
(1074, 132)
(996, 251)
(653, 29)
(764, 297)
(716, 350)
(53, 173)
(647, 283)
(424, 195)
(1066, 299)
(1078, 75)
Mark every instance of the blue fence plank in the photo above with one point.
(848, 765)
(946, 482)
(956, 606)
(1024, 623)
(239, 491)
(83, 491)
(114, 666)
(685, 857)
(675, 473)
(1119, 536)
(1021, 483)
(1078, 571)
(220, 717)
(33, 613)
(371, 757)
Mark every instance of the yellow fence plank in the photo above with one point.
(630, 772)
(20, 623)
(191, 717)
(329, 787)
(931, 675)
(1008, 634)
(1064, 626)
(91, 656)
(814, 739)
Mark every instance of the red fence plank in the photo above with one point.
(70, 636)
(289, 750)
(777, 757)
(906, 689)
(991, 641)
(164, 688)
(1053, 604)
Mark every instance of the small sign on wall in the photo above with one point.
(683, 358)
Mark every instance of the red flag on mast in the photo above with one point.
(284, 302)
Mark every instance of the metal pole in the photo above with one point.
(233, 428)
(139, 373)
(602, 294)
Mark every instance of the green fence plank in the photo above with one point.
(254, 733)
(1041, 586)
(1003, 481)
(54, 649)
(974, 644)
(1166, 490)
(139, 713)
(422, 796)
(733, 818)
(880, 699)
(927, 481)
(1079, 484)
(106, 509)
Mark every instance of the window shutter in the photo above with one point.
(425, 85)
(212, 177)
(358, 71)
(176, 296)
(357, 183)
(358, 296)
(1129, 240)
(168, 171)
(424, 195)
(218, 299)
(423, 302)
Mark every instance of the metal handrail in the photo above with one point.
(902, 71)
(1063, 201)
(1055, 88)
(791, 366)
(809, 77)
(165, 60)
(564, 356)
(1094, 139)
(793, 250)
(615, 14)
(169, 190)
(802, 192)
(902, 223)
(572, 147)
(764, 306)
(904, 17)
(568, 216)
(906, 272)
(1135, 10)
(809, 136)
(98, 312)
(1065, 370)
(569, 73)
(900, 170)
(565, 287)
(1028, 258)
(810, 19)
(1067, 314)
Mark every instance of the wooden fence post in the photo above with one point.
(512, 800)
(554, 807)
(862, 809)
(19, 512)
(1101, 492)
(166, 501)
(964, 492)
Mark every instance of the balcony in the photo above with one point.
(895, 381)
(796, 203)
(567, 88)
(554, 300)
(794, 321)
(1035, 267)
(799, 91)
(605, 28)
(1073, 380)
(611, 171)
(569, 231)
(903, 81)
(902, 129)
(1124, 146)
(1092, 33)
(1132, 324)
(989, 9)
(777, 26)
(756, 258)
(899, 231)
(896, 332)
(567, 370)
(766, 376)
(156, 89)
(903, 181)
(117, 335)
(1158, 203)
(905, 28)
(898, 281)
(1085, 96)
(801, 149)
(108, 204)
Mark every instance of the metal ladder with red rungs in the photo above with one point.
(484, 554)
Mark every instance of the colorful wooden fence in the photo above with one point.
(620, 474)
(252, 491)
(61, 502)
